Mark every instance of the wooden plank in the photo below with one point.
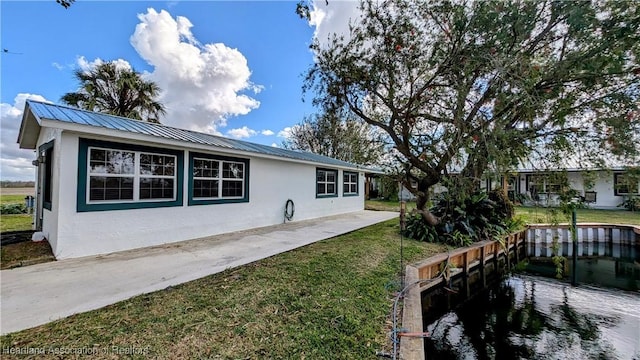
(412, 347)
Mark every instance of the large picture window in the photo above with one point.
(121, 176)
(326, 182)
(218, 179)
(350, 183)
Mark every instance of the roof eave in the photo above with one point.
(93, 131)
(29, 129)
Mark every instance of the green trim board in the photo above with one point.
(82, 204)
(192, 201)
(47, 186)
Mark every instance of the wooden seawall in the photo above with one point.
(463, 262)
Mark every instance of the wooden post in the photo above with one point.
(367, 184)
(505, 185)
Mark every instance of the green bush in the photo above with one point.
(12, 209)
(631, 203)
(480, 216)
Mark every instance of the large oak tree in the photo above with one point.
(473, 86)
(337, 133)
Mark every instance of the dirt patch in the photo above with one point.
(18, 191)
(25, 253)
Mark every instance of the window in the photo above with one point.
(117, 176)
(326, 183)
(111, 175)
(624, 185)
(350, 183)
(46, 154)
(218, 179)
(537, 184)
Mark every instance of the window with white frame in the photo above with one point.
(537, 184)
(211, 183)
(218, 179)
(350, 183)
(326, 182)
(122, 175)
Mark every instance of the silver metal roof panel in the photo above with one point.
(84, 117)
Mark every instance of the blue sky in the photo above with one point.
(230, 68)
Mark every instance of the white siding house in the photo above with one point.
(107, 183)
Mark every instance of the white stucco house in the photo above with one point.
(598, 188)
(107, 183)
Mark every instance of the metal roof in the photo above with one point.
(84, 117)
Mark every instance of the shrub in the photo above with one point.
(12, 209)
(632, 203)
(480, 216)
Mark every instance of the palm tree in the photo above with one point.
(118, 91)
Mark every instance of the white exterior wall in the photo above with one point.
(50, 217)
(271, 183)
(603, 186)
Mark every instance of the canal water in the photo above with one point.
(525, 316)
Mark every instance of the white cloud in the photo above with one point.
(285, 133)
(267, 132)
(89, 65)
(241, 133)
(332, 18)
(57, 66)
(202, 85)
(15, 163)
(274, 145)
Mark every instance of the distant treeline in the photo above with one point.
(17, 184)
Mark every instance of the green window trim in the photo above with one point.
(347, 182)
(222, 159)
(83, 205)
(324, 172)
(45, 151)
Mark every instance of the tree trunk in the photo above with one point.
(422, 199)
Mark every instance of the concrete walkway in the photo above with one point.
(42, 293)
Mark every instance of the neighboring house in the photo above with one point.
(535, 187)
(107, 183)
(608, 188)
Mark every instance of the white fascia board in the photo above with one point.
(115, 135)
(29, 129)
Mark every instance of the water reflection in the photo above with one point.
(526, 317)
(610, 265)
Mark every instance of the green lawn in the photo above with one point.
(11, 199)
(328, 300)
(533, 215)
(14, 222)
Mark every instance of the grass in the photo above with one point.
(11, 199)
(25, 253)
(328, 300)
(535, 215)
(17, 222)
